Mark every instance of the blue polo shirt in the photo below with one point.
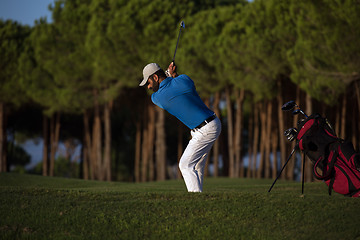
(178, 96)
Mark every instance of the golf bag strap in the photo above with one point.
(326, 172)
(331, 171)
(316, 174)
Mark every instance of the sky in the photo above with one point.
(25, 12)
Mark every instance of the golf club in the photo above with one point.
(182, 25)
(290, 106)
(291, 134)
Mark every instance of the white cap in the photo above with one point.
(149, 70)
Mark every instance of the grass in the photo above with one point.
(35, 207)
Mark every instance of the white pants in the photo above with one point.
(192, 162)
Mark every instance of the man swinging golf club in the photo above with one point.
(177, 95)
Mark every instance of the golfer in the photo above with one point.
(177, 95)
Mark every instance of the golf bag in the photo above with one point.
(335, 160)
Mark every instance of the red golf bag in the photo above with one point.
(335, 161)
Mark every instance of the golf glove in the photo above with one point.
(167, 73)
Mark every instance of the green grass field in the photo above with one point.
(35, 207)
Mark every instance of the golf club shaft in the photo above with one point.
(177, 43)
(182, 25)
(304, 113)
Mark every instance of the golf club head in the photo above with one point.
(182, 24)
(300, 123)
(296, 112)
(288, 106)
(291, 134)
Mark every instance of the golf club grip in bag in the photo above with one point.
(336, 159)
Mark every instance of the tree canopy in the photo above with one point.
(93, 52)
(12, 40)
(105, 44)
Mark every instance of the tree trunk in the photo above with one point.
(57, 134)
(180, 149)
(45, 169)
(250, 150)
(281, 129)
(144, 157)
(262, 111)
(160, 146)
(2, 139)
(337, 120)
(150, 145)
(208, 157)
(230, 133)
(358, 110)
(337, 125)
(137, 151)
(107, 150)
(88, 157)
(343, 117)
(97, 144)
(216, 144)
(268, 121)
(54, 140)
(274, 146)
(308, 167)
(353, 126)
(85, 159)
(256, 139)
(239, 166)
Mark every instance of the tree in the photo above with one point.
(105, 85)
(326, 57)
(55, 72)
(12, 37)
(256, 54)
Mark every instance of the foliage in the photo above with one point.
(12, 36)
(63, 167)
(200, 50)
(18, 157)
(326, 56)
(246, 44)
(55, 68)
(256, 43)
(36, 81)
(102, 52)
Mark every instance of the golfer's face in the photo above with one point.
(153, 85)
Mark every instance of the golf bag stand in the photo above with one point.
(282, 169)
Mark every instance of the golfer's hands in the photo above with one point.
(172, 70)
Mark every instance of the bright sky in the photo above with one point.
(25, 11)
